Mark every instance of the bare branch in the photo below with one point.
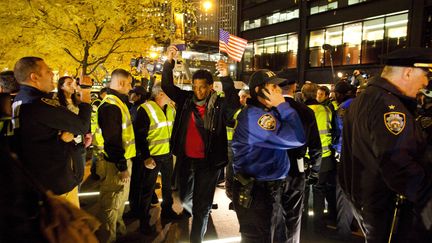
(70, 54)
(78, 32)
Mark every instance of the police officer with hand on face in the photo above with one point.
(267, 127)
(381, 172)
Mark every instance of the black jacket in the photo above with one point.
(313, 141)
(38, 121)
(219, 111)
(110, 122)
(382, 144)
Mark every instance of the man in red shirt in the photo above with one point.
(199, 138)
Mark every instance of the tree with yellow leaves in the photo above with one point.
(85, 34)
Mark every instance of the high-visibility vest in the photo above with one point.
(161, 125)
(230, 130)
(323, 116)
(6, 126)
(128, 136)
(335, 105)
(94, 121)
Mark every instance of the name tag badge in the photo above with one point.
(300, 165)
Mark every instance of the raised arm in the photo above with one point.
(174, 93)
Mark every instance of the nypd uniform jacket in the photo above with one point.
(380, 153)
(261, 139)
(38, 119)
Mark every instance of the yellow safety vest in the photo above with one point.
(230, 130)
(128, 136)
(335, 105)
(94, 121)
(6, 126)
(161, 125)
(323, 116)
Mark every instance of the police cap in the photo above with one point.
(290, 76)
(264, 76)
(409, 57)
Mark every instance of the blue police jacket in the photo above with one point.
(261, 140)
(339, 123)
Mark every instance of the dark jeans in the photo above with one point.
(324, 190)
(288, 229)
(258, 222)
(144, 183)
(197, 184)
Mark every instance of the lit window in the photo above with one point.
(334, 36)
(351, 2)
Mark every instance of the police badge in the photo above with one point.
(267, 122)
(395, 122)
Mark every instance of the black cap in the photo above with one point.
(290, 76)
(409, 57)
(140, 90)
(264, 76)
(342, 87)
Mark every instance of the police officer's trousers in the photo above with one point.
(113, 195)
(258, 222)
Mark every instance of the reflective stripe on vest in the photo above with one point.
(230, 130)
(94, 121)
(161, 125)
(128, 136)
(323, 118)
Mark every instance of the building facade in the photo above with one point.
(290, 35)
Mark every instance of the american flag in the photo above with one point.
(232, 45)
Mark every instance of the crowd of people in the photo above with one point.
(357, 153)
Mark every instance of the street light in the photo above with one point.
(207, 5)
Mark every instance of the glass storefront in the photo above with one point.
(360, 42)
(274, 53)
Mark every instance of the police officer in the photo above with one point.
(116, 139)
(382, 144)
(267, 127)
(42, 127)
(293, 194)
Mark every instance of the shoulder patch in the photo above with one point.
(395, 122)
(51, 102)
(267, 122)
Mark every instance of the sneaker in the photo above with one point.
(170, 214)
